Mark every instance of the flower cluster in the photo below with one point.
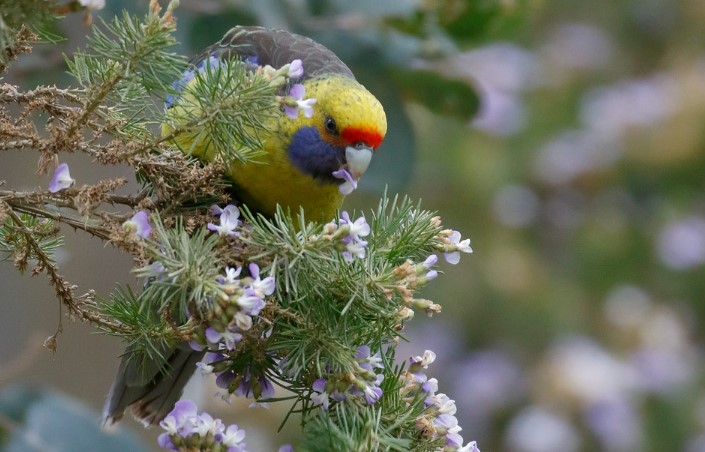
(409, 276)
(242, 300)
(188, 430)
(437, 420)
(452, 246)
(277, 77)
(362, 382)
(228, 218)
(348, 234)
(241, 384)
(233, 315)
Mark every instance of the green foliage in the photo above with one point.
(190, 268)
(141, 326)
(438, 93)
(16, 239)
(32, 15)
(328, 302)
(227, 106)
(128, 60)
(323, 309)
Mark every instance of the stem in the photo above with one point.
(9, 93)
(92, 227)
(93, 104)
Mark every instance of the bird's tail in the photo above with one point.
(149, 389)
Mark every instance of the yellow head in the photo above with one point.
(347, 126)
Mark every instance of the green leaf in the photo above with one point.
(438, 93)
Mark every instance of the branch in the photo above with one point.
(64, 290)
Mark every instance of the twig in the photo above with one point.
(64, 290)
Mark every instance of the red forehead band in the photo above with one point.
(368, 136)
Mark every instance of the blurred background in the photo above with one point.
(565, 138)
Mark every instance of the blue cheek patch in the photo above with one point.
(314, 156)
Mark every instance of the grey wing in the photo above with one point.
(265, 46)
(150, 393)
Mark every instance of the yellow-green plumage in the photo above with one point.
(273, 178)
(276, 180)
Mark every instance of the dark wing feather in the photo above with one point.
(150, 393)
(276, 48)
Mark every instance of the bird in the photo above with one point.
(346, 126)
(300, 156)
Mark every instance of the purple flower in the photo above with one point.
(61, 180)
(296, 96)
(228, 338)
(443, 403)
(179, 416)
(196, 346)
(355, 247)
(358, 228)
(250, 303)
(367, 362)
(350, 183)
(454, 440)
(296, 69)
(419, 362)
(205, 368)
(259, 388)
(140, 224)
(430, 261)
(262, 287)
(453, 256)
(204, 424)
(233, 436)
(266, 388)
(164, 441)
(321, 395)
(428, 386)
(199, 431)
(228, 220)
(354, 250)
(286, 448)
(155, 270)
(445, 423)
(373, 394)
(370, 390)
(231, 275)
(224, 379)
(470, 447)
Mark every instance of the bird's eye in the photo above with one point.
(331, 126)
